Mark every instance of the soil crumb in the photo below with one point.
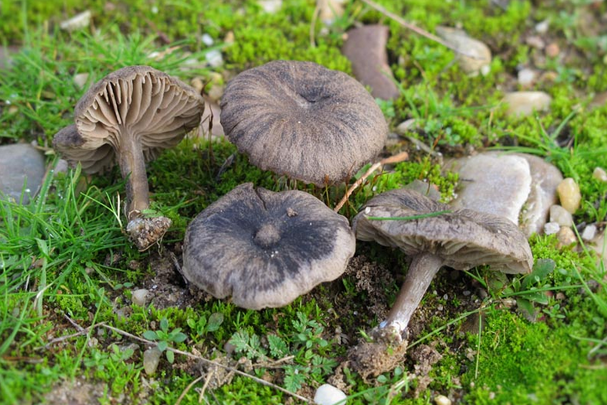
(424, 357)
(377, 357)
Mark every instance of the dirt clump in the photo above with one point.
(78, 392)
(376, 357)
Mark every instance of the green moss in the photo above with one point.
(527, 363)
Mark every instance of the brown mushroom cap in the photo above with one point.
(69, 143)
(461, 238)
(264, 248)
(157, 109)
(303, 120)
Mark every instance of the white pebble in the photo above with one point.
(207, 39)
(551, 228)
(600, 174)
(140, 297)
(526, 77)
(561, 216)
(589, 232)
(442, 400)
(566, 236)
(77, 22)
(327, 394)
(151, 359)
(214, 58)
(542, 27)
(80, 80)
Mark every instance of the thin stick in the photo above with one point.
(416, 29)
(392, 159)
(242, 373)
(204, 386)
(189, 387)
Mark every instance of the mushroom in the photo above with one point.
(265, 248)
(303, 120)
(131, 115)
(437, 237)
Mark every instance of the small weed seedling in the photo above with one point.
(164, 338)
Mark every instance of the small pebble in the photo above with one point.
(214, 58)
(229, 38)
(481, 61)
(552, 50)
(560, 296)
(535, 42)
(197, 83)
(526, 77)
(561, 216)
(442, 400)
(551, 228)
(589, 232)
(566, 236)
(522, 103)
(270, 6)
(569, 195)
(140, 297)
(542, 27)
(405, 126)
(207, 39)
(80, 80)
(327, 394)
(599, 174)
(77, 22)
(151, 359)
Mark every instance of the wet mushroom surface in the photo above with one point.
(263, 248)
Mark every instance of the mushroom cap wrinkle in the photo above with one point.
(264, 248)
(153, 107)
(303, 120)
(462, 238)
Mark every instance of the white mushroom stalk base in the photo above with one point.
(422, 270)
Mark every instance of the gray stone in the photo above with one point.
(521, 103)
(551, 228)
(545, 178)
(20, 164)
(327, 394)
(589, 232)
(151, 359)
(561, 216)
(366, 50)
(475, 56)
(493, 183)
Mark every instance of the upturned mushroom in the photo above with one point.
(434, 236)
(130, 116)
(263, 248)
(303, 120)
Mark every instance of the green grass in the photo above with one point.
(64, 257)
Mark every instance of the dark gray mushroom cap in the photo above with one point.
(156, 109)
(462, 238)
(303, 120)
(264, 248)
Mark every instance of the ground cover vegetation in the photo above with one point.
(68, 324)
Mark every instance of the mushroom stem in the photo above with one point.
(132, 167)
(422, 270)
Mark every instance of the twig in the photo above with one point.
(205, 385)
(392, 159)
(416, 29)
(232, 369)
(81, 331)
(190, 385)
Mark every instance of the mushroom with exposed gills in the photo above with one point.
(130, 116)
(303, 120)
(264, 248)
(433, 235)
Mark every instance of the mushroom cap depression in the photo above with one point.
(157, 109)
(462, 238)
(264, 248)
(303, 120)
